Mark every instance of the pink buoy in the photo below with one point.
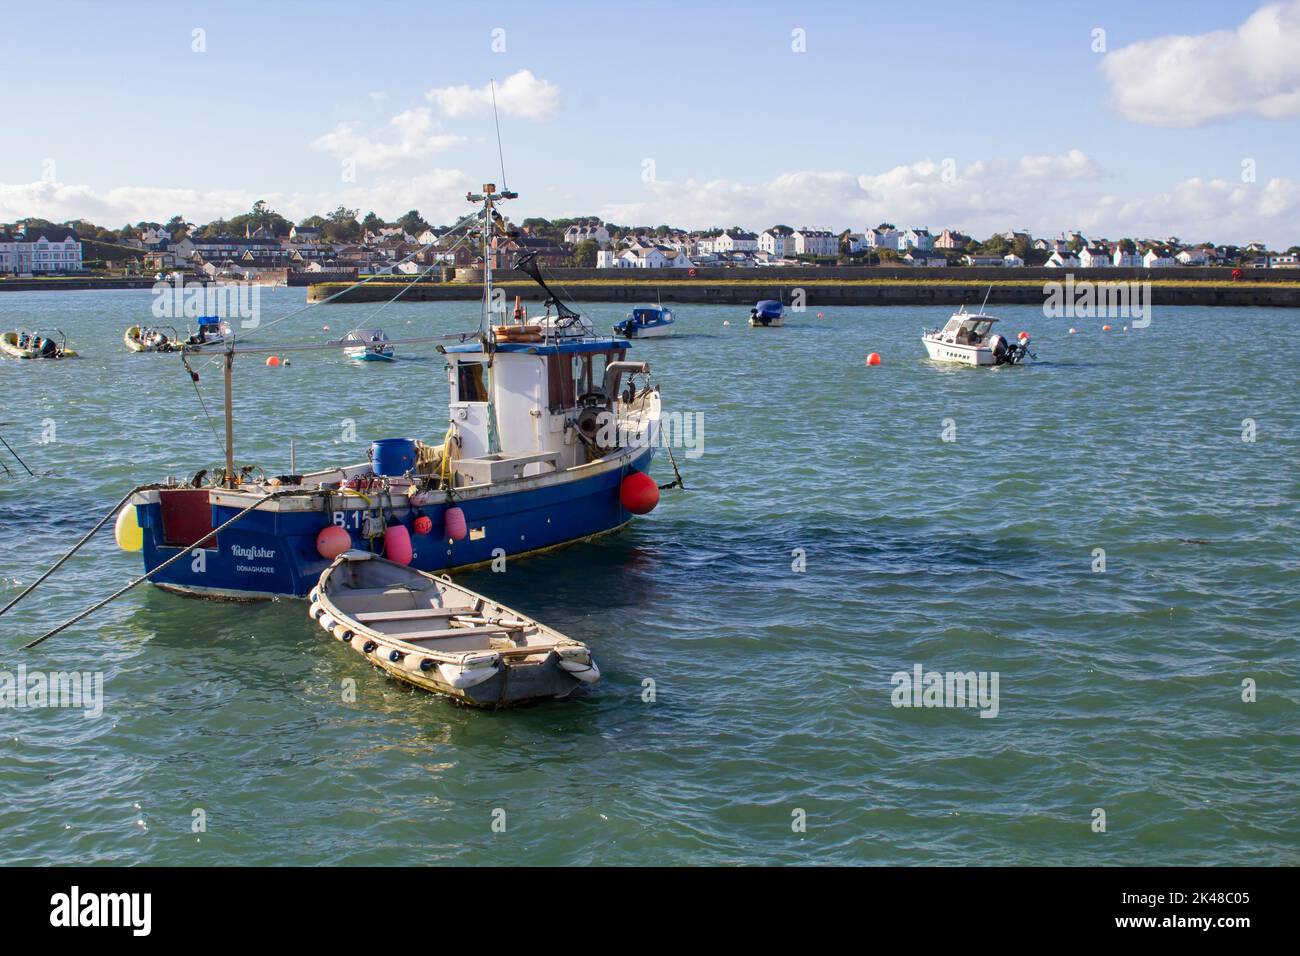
(638, 493)
(454, 521)
(332, 541)
(397, 544)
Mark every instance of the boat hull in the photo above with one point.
(645, 331)
(272, 552)
(522, 683)
(960, 354)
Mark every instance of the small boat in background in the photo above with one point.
(968, 339)
(211, 329)
(152, 338)
(646, 322)
(368, 345)
(36, 344)
(769, 313)
(428, 632)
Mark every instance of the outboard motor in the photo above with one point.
(998, 346)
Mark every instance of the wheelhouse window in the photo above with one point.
(571, 375)
(471, 382)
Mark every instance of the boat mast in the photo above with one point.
(230, 419)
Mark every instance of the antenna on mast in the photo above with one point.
(501, 156)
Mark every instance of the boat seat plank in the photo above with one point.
(418, 637)
(393, 589)
(419, 612)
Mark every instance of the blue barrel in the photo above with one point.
(393, 457)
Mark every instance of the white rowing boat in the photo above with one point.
(429, 632)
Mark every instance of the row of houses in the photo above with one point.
(40, 251)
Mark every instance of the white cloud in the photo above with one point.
(1184, 80)
(521, 94)
(439, 195)
(1072, 165)
(1199, 210)
(986, 195)
(415, 134)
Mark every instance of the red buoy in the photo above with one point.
(397, 544)
(332, 541)
(423, 524)
(873, 358)
(454, 521)
(638, 493)
(272, 360)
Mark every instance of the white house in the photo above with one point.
(736, 241)
(1155, 259)
(1094, 257)
(1193, 257)
(969, 260)
(1062, 259)
(1012, 261)
(606, 259)
(777, 241)
(856, 242)
(925, 258)
(652, 257)
(915, 239)
(598, 233)
(815, 242)
(882, 238)
(1284, 261)
(1124, 260)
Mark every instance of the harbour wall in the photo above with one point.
(823, 292)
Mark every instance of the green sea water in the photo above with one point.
(748, 630)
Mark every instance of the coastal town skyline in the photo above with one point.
(1164, 134)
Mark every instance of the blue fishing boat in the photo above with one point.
(552, 431)
(646, 322)
(768, 313)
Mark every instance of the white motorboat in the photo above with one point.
(968, 339)
(368, 345)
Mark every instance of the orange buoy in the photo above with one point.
(638, 493)
(1105, 328)
(423, 524)
(873, 358)
(397, 544)
(454, 523)
(1023, 336)
(332, 541)
(273, 360)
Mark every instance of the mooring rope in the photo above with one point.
(184, 552)
(90, 534)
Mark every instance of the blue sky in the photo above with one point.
(128, 122)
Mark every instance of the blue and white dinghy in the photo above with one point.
(368, 345)
(647, 322)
